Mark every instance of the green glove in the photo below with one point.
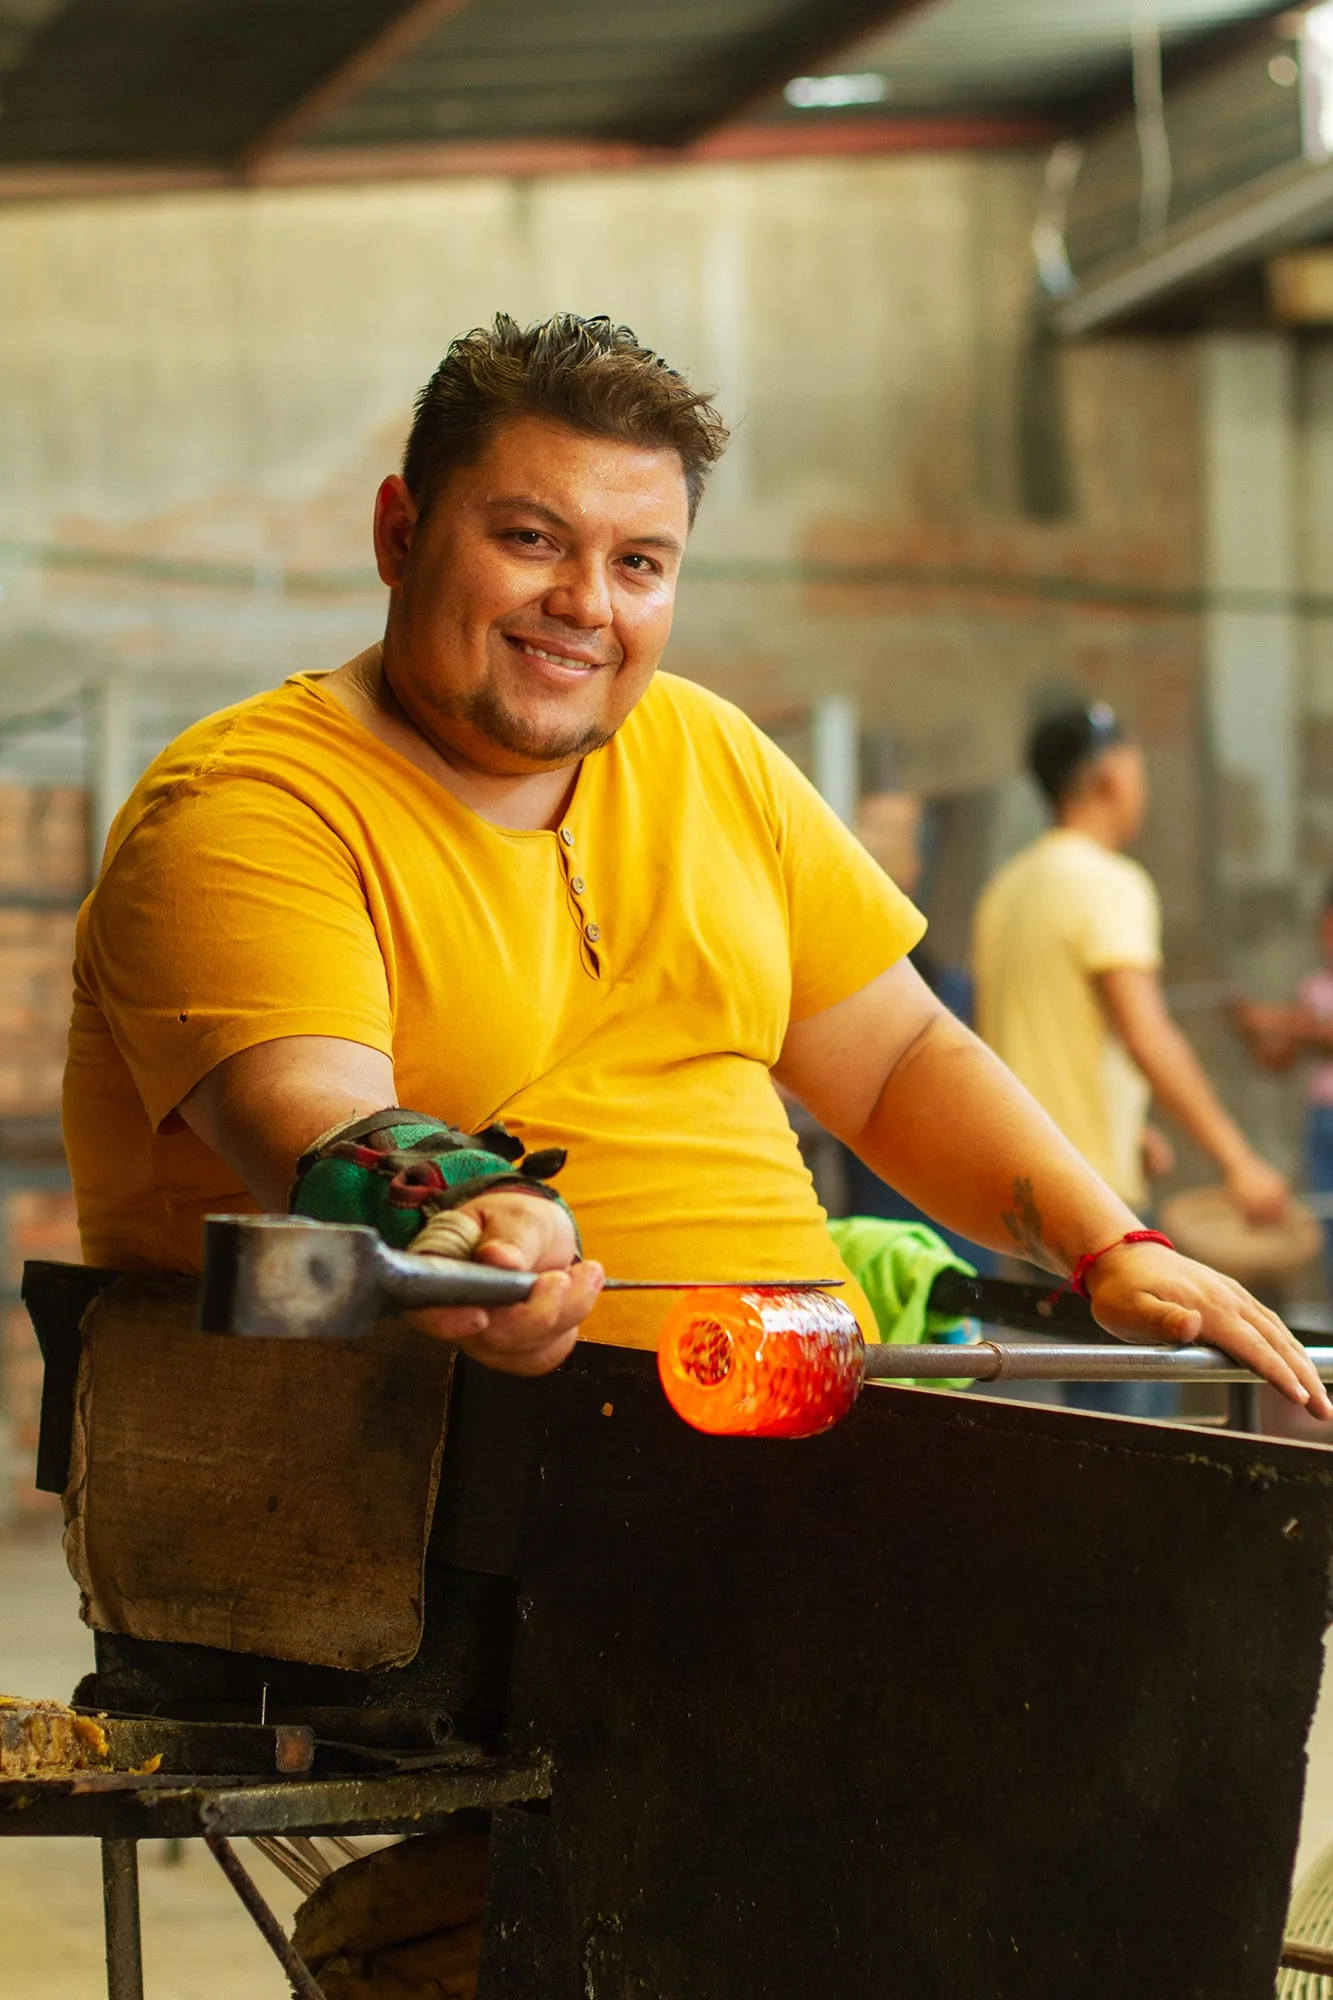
(396, 1169)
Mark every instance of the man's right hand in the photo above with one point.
(522, 1232)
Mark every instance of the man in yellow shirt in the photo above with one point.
(498, 868)
(1067, 953)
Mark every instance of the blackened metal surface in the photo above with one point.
(212, 1749)
(461, 1670)
(116, 1805)
(57, 1296)
(495, 1428)
(1040, 1308)
(962, 1701)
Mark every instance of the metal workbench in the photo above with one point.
(966, 1699)
(121, 1808)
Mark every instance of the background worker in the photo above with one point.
(1067, 958)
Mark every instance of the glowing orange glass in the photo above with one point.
(761, 1364)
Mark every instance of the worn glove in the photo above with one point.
(396, 1170)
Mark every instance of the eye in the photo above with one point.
(528, 538)
(642, 565)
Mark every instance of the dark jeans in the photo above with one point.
(1124, 1399)
(1319, 1166)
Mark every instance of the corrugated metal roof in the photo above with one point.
(198, 81)
(550, 67)
(583, 68)
(998, 54)
(182, 80)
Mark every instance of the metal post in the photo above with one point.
(835, 763)
(120, 1900)
(1243, 1407)
(114, 766)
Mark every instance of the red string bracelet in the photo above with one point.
(1077, 1281)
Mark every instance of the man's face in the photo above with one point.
(1127, 777)
(533, 602)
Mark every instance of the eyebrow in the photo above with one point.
(531, 506)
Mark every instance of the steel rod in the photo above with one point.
(274, 1848)
(1066, 1361)
(275, 1937)
(411, 1280)
(120, 1902)
(1316, 1958)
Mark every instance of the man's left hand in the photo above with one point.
(1147, 1293)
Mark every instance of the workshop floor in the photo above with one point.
(198, 1942)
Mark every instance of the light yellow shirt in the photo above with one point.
(1059, 913)
(620, 985)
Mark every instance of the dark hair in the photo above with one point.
(1063, 745)
(586, 373)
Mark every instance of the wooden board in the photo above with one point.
(267, 1497)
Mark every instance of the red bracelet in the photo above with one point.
(1077, 1281)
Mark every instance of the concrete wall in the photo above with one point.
(924, 508)
(225, 377)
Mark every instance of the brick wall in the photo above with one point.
(43, 873)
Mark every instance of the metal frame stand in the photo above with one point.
(275, 1937)
(120, 1902)
(119, 1808)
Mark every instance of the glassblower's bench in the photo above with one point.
(965, 1699)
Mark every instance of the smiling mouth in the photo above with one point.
(565, 660)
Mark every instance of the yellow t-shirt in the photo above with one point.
(621, 985)
(1059, 913)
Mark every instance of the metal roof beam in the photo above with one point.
(398, 37)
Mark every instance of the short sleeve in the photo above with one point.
(1120, 923)
(849, 922)
(231, 915)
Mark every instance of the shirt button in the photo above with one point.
(566, 834)
(592, 932)
(578, 885)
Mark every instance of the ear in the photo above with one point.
(396, 517)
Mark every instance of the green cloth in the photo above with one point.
(895, 1264)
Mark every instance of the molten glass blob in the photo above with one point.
(761, 1364)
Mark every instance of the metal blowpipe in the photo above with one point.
(793, 1368)
(288, 1278)
(1060, 1361)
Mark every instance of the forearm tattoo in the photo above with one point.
(1023, 1221)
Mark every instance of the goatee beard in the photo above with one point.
(499, 725)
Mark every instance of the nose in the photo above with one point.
(581, 594)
